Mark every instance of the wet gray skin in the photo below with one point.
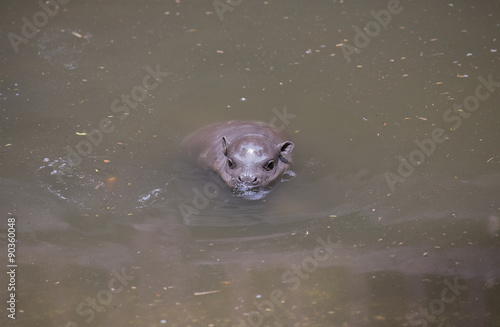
(249, 156)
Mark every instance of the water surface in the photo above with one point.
(392, 220)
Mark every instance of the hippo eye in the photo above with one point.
(269, 165)
(230, 163)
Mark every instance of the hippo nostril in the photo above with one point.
(248, 180)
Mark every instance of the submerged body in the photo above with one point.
(248, 155)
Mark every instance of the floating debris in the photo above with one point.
(207, 292)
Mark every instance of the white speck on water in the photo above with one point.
(243, 99)
(147, 196)
(493, 50)
(469, 54)
(163, 321)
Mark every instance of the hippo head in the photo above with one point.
(253, 162)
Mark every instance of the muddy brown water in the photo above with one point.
(393, 218)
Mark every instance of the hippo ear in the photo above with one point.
(285, 147)
(225, 143)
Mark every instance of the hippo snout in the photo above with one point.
(248, 180)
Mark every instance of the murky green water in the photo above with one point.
(393, 218)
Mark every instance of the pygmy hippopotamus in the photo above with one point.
(250, 156)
